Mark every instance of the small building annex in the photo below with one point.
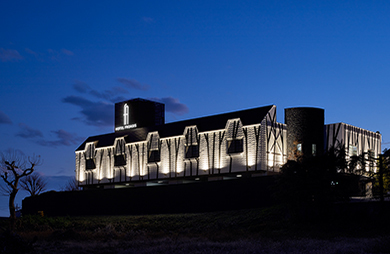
(144, 150)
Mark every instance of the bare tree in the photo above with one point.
(71, 185)
(34, 184)
(14, 165)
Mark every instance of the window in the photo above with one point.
(313, 149)
(299, 149)
(90, 157)
(120, 160)
(90, 164)
(191, 143)
(371, 159)
(352, 150)
(235, 145)
(154, 145)
(371, 154)
(120, 155)
(154, 156)
(192, 151)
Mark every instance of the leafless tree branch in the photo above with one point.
(12, 169)
(71, 185)
(34, 184)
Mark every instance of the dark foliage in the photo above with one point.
(381, 187)
(315, 182)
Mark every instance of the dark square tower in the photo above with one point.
(138, 113)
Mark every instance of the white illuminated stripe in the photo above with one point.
(126, 114)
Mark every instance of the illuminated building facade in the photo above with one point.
(144, 150)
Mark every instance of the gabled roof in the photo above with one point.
(207, 123)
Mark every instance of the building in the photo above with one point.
(145, 151)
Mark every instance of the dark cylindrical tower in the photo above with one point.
(305, 131)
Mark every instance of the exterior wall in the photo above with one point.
(263, 150)
(275, 149)
(256, 149)
(305, 135)
(138, 113)
(354, 140)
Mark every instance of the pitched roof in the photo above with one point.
(207, 123)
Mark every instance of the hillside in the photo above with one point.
(267, 230)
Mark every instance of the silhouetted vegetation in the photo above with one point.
(71, 185)
(381, 186)
(310, 186)
(33, 184)
(312, 181)
(14, 166)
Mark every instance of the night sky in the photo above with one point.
(63, 65)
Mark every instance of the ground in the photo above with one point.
(267, 230)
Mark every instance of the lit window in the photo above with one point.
(235, 145)
(299, 148)
(313, 149)
(352, 150)
(371, 158)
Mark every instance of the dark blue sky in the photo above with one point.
(64, 63)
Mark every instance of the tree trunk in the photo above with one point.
(12, 212)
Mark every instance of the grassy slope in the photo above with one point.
(243, 231)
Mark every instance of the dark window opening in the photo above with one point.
(119, 160)
(192, 151)
(154, 156)
(90, 164)
(235, 146)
